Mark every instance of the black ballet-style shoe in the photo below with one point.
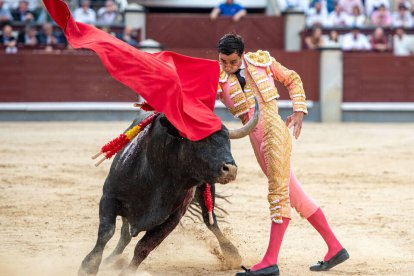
(272, 270)
(340, 257)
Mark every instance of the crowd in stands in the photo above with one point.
(400, 43)
(356, 15)
(26, 23)
(350, 13)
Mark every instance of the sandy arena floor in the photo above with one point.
(361, 174)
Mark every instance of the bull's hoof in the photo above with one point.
(232, 258)
(90, 265)
(116, 261)
(83, 272)
(127, 272)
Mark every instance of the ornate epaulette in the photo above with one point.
(259, 58)
(223, 75)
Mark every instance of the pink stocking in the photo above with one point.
(277, 231)
(319, 222)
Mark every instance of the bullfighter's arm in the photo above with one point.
(293, 83)
(291, 80)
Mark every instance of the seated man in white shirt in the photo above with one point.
(337, 18)
(108, 14)
(403, 45)
(355, 41)
(317, 16)
(402, 17)
(85, 14)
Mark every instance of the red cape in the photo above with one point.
(181, 87)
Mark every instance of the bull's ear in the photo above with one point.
(169, 127)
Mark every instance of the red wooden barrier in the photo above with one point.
(373, 77)
(198, 31)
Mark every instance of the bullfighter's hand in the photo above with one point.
(295, 120)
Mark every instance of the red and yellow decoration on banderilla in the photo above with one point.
(114, 146)
(208, 201)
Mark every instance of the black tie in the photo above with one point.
(241, 79)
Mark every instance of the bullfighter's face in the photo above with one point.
(230, 63)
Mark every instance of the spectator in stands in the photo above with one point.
(348, 6)
(47, 37)
(403, 45)
(42, 15)
(108, 14)
(379, 41)
(409, 4)
(298, 5)
(402, 17)
(8, 40)
(337, 18)
(129, 36)
(85, 14)
(5, 15)
(22, 13)
(372, 5)
(29, 37)
(333, 40)
(229, 8)
(327, 5)
(317, 16)
(315, 40)
(355, 41)
(356, 18)
(381, 17)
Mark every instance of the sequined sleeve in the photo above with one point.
(293, 83)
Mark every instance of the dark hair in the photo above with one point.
(231, 43)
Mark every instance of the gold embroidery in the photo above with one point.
(238, 110)
(237, 96)
(219, 90)
(223, 75)
(277, 150)
(259, 58)
(267, 89)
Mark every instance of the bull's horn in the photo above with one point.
(247, 128)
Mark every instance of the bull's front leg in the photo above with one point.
(122, 243)
(229, 251)
(107, 219)
(115, 257)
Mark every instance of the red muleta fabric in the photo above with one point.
(183, 88)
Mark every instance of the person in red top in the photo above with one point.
(379, 41)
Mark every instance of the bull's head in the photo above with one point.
(208, 160)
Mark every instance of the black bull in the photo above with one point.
(151, 183)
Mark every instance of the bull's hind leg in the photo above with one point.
(122, 243)
(229, 251)
(152, 239)
(107, 219)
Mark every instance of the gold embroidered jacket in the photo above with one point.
(263, 69)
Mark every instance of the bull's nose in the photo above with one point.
(229, 171)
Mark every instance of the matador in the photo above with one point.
(244, 76)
